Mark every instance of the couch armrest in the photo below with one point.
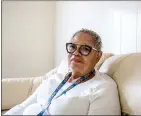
(15, 91)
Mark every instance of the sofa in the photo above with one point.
(125, 69)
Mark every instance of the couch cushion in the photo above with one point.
(15, 91)
(126, 71)
(102, 59)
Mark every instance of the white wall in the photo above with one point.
(34, 33)
(118, 23)
(27, 38)
(139, 28)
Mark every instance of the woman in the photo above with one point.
(82, 91)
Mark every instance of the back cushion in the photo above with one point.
(126, 71)
(38, 80)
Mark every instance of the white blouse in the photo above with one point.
(97, 96)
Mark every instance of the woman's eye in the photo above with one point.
(86, 49)
(71, 47)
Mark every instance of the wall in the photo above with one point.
(118, 23)
(27, 38)
(34, 33)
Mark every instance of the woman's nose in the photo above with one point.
(77, 52)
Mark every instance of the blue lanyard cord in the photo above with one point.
(83, 78)
(68, 75)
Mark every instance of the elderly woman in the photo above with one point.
(82, 91)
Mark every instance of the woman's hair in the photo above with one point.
(94, 35)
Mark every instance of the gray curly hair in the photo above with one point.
(94, 35)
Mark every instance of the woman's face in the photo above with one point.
(80, 64)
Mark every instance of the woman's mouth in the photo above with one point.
(76, 60)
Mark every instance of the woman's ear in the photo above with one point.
(99, 54)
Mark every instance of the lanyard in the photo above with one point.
(68, 75)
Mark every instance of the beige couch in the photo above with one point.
(124, 69)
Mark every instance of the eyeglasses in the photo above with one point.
(83, 49)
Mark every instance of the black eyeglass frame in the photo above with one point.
(80, 48)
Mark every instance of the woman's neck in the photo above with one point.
(73, 78)
(76, 76)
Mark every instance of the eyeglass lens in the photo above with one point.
(83, 49)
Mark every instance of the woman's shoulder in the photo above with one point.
(55, 78)
(100, 81)
(104, 78)
(100, 85)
